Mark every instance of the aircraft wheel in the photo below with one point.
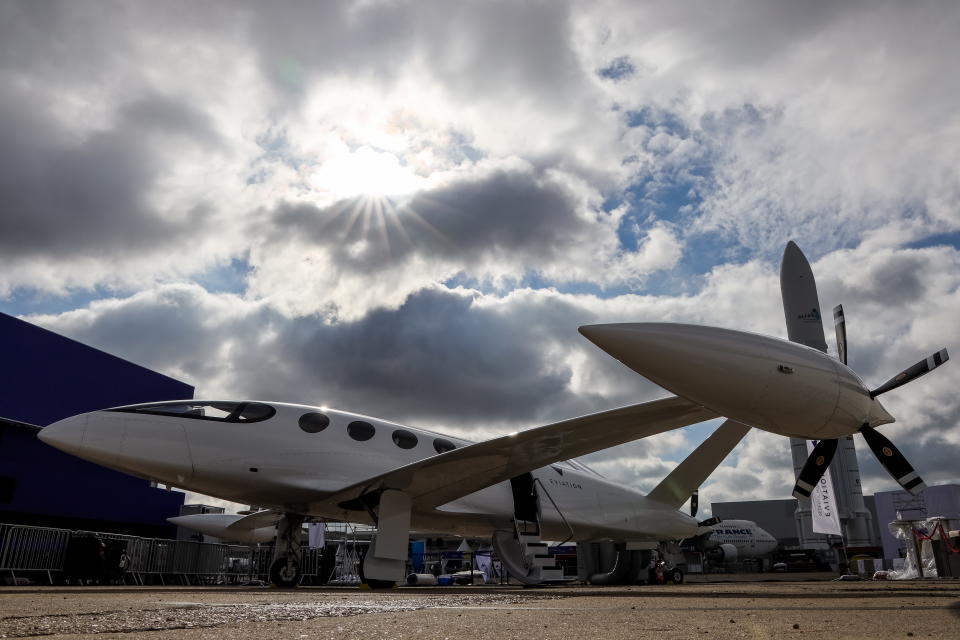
(284, 575)
(675, 575)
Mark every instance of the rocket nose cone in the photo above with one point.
(66, 434)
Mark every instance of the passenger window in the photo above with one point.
(442, 445)
(404, 439)
(360, 430)
(314, 422)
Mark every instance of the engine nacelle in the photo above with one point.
(217, 525)
(723, 554)
(772, 384)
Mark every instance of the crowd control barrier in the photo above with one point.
(81, 557)
(37, 549)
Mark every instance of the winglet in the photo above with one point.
(697, 467)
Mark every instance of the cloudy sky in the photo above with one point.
(406, 209)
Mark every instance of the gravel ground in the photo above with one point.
(717, 610)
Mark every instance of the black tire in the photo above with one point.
(675, 575)
(282, 576)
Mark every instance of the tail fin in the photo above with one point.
(697, 467)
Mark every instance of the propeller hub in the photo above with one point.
(878, 415)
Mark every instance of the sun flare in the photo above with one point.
(365, 172)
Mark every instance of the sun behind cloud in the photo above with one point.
(365, 172)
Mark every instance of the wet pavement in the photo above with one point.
(731, 609)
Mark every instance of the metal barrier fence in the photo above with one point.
(36, 548)
(41, 549)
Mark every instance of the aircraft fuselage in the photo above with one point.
(275, 462)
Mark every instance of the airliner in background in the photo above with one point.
(520, 489)
(727, 541)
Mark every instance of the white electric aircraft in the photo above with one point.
(302, 461)
(314, 462)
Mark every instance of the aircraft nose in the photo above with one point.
(66, 434)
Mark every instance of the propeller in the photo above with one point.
(799, 289)
(694, 503)
(841, 329)
(887, 454)
(814, 468)
(923, 367)
(892, 460)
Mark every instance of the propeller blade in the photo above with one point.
(892, 460)
(841, 328)
(694, 503)
(814, 468)
(924, 366)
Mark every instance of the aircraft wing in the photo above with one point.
(694, 470)
(443, 478)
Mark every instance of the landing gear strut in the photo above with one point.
(370, 582)
(286, 571)
(386, 558)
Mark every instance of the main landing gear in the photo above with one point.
(286, 571)
(385, 560)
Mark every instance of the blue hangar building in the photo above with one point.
(47, 377)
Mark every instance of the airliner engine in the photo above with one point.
(723, 554)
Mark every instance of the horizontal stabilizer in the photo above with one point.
(697, 467)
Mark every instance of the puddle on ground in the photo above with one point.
(184, 615)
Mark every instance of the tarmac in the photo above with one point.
(711, 608)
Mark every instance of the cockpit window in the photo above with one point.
(219, 411)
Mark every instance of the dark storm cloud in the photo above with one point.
(509, 214)
(439, 359)
(167, 116)
(65, 197)
(472, 49)
(436, 356)
(60, 196)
